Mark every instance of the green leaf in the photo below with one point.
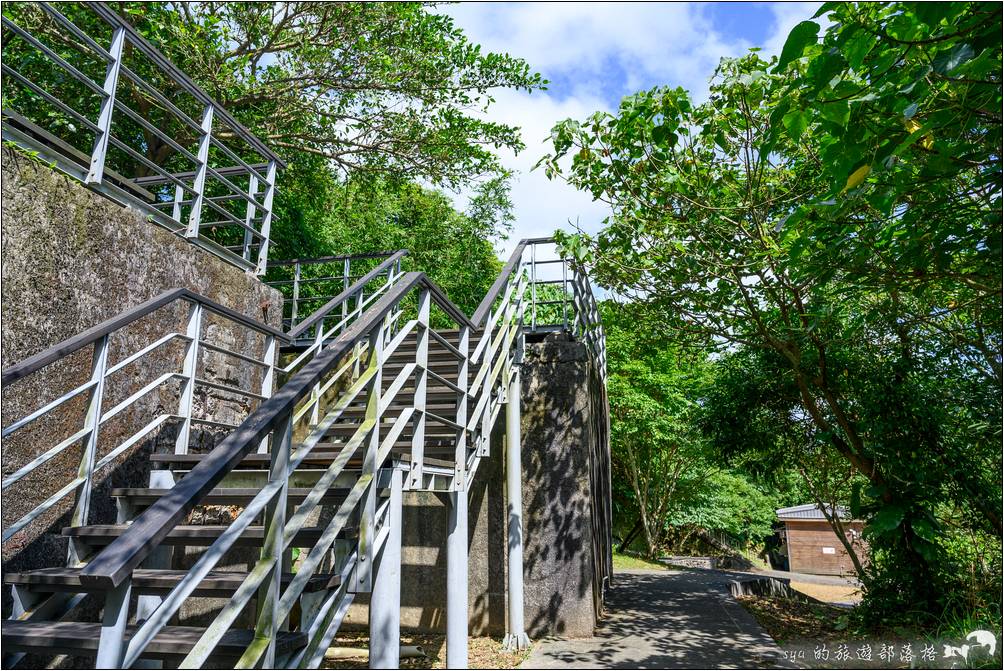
(838, 112)
(953, 58)
(826, 8)
(662, 135)
(858, 47)
(886, 519)
(795, 122)
(799, 38)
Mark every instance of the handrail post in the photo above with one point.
(346, 271)
(266, 223)
(296, 294)
(517, 638)
(268, 624)
(179, 195)
(112, 640)
(189, 369)
(533, 286)
(421, 383)
(85, 472)
(456, 543)
(363, 575)
(199, 183)
(268, 379)
(564, 295)
(456, 582)
(249, 215)
(385, 602)
(463, 379)
(315, 393)
(97, 170)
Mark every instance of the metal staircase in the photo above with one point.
(296, 509)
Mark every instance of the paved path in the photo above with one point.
(666, 620)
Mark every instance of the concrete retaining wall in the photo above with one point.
(72, 259)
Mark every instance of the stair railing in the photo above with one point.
(112, 370)
(368, 450)
(226, 173)
(297, 287)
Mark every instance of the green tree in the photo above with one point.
(366, 214)
(742, 224)
(383, 88)
(655, 442)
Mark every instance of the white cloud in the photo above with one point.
(595, 53)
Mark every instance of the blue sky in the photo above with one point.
(594, 54)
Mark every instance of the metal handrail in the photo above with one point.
(391, 261)
(256, 201)
(331, 259)
(484, 308)
(93, 334)
(102, 370)
(117, 561)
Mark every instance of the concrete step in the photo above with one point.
(81, 638)
(152, 581)
(197, 535)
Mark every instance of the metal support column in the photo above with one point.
(111, 641)
(199, 183)
(96, 172)
(456, 583)
(516, 639)
(385, 603)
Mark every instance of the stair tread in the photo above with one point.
(226, 494)
(262, 460)
(193, 534)
(401, 449)
(156, 579)
(171, 640)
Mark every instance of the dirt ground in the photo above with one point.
(482, 652)
(829, 593)
(791, 619)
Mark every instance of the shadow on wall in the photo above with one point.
(563, 452)
(423, 554)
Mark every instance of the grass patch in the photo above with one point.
(626, 561)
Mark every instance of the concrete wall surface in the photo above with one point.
(565, 463)
(72, 259)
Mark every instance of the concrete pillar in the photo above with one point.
(516, 639)
(456, 583)
(385, 600)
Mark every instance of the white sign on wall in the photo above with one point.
(829, 551)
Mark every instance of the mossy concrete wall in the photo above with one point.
(72, 259)
(565, 459)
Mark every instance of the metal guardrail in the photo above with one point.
(323, 285)
(83, 89)
(188, 373)
(346, 363)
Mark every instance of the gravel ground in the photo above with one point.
(482, 652)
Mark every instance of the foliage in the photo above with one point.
(364, 215)
(835, 217)
(386, 88)
(624, 561)
(725, 501)
(666, 478)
